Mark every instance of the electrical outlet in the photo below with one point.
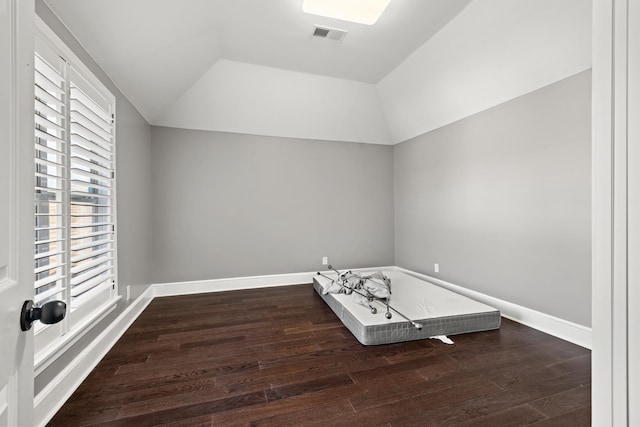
(128, 293)
(436, 268)
(325, 260)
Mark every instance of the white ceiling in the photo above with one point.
(154, 50)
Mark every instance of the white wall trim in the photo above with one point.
(237, 283)
(49, 354)
(229, 284)
(50, 399)
(563, 329)
(56, 393)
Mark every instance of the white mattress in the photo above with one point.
(440, 311)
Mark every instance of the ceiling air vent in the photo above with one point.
(329, 33)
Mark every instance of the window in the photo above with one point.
(75, 246)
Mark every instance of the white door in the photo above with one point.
(16, 209)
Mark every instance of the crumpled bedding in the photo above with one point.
(362, 288)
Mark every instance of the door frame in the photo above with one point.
(616, 212)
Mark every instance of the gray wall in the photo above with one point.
(502, 201)
(230, 205)
(133, 139)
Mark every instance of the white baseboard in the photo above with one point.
(50, 399)
(230, 284)
(563, 329)
(238, 283)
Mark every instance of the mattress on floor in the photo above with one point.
(440, 311)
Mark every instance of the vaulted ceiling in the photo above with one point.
(154, 50)
(253, 66)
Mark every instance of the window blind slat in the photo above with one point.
(48, 124)
(91, 215)
(47, 84)
(48, 177)
(48, 137)
(49, 151)
(88, 134)
(103, 278)
(80, 236)
(44, 67)
(47, 228)
(95, 241)
(83, 187)
(80, 152)
(91, 254)
(84, 165)
(102, 180)
(87, 123)
(80, 96)
(46, 111)
(48, 183)
(88, 296)
(38, 298)
(95, 224)
(88, 113)
(105, 203)
(54, 266)
(79, 140)
(96, 206)
(88, 198)
(47, 241)
(47, 280)
(90, 274)
(48, 254)
(46, 98)
(46, 194)
(47, 157)
(88, 269)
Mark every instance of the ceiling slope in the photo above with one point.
(247, 98)
(493, 51)
(154, 50)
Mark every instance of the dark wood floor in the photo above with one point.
(280, 357)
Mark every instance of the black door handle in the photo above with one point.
(50, 313)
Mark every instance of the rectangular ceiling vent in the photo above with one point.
(329, 33)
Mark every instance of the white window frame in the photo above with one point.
(53, 340)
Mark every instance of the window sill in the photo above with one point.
(44, 358)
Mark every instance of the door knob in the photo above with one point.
(49, 313)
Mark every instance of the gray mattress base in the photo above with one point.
(404, 331)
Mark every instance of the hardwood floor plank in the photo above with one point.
(280, 357)
(95, 396)
(155, 417)
(477, 407)
(562, 402)
(420, 402)
(210, 342)
(314, 415)
(576, 418)
(304, 387)
(245, 416)
(512, 417)
(204, 421)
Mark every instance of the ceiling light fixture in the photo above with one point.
(359, 11)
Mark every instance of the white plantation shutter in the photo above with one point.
(75, 246)
(91, 191)
(50, 179)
